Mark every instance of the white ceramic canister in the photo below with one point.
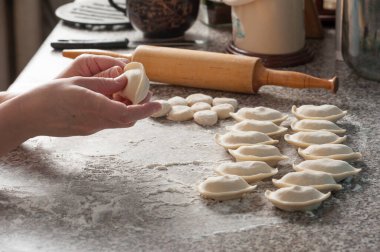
(271, 27)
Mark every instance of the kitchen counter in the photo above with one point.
(134, 189)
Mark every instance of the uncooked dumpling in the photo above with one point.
(338, 169)
(165, 108)
(206, 117)
(194, 98)
(259, 152)
(333, 151)
(297, 198)
(323, 112)
(224, 100)
(199, 106)
(223, 110)
(316, 125)
(260, 114)
(250, 171)
(138, 83)
(321, 181)
(235, 139)
(267, 127)
(305, 139)
(224, 187)
(180, 113)
(177, 100)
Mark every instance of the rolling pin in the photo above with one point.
(210, 70)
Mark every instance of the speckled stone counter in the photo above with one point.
(134, 189)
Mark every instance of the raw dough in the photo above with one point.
(223, 110)
(260, 114)
(206, 117)
(165, 108)
(323, 112)
(316, 125)
(338, 169)
(305, 139)
(180, 113)
(267, 127)
(224, 187)
(321, 181)
(235, 139)
(259, 152)
(194, 98)
(199, 106)
(333, 151)
(177, 100)
(138, 83)
(224, 100)
(297, 198)
(250, 171)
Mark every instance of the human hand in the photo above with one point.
(79, 106)
(88, 65)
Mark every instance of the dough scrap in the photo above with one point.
(198, 97)
(223, 110)
(235, 139)
(333, 151)
(206, 117)
(224, 100)
(165, 108)
(138, 83)
(224, 187)
(305, 139)
(180, 113)
(296, 198)
(323, 112)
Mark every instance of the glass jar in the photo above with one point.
(361, 37)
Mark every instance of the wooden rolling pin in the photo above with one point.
(211, 70)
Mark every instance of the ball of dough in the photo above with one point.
(206, 117)
(177, 100)
(223, 110)
(198, 106)
(165, 108)
(224, 100)
(138, 83)
(180, 113)
(194, 98)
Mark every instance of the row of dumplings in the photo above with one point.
(324, 167)
(204, 109)
(250, 142)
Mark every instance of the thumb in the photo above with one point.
(106, 86)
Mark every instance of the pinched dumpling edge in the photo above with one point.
(331, 118)
(270, 160)
(288, 138)
(226, 195)
(349, 156)
(249, 178)
(295, 129)
(218, 139)
(281, 130)
(276, 121)
(337, 176)
(297, 206)
(321, 187)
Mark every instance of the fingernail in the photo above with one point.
(117, 70)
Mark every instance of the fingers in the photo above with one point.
(137, 112)
(94, 64)
(105, 86)
(112, 72)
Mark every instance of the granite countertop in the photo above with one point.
(134, 189)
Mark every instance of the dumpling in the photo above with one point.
(224, 187)
(250, 171)
(267, 127)
(138, 83)
(235, 139)
(199, 106)
(260, 114)
(180, 113)
(223, 110)
(305, 139)
(297, 198)
(177, 100)
(224, 100)
(333, 151)
(165, 108)
(338, 169)
(321, 181)
(323, 112)
(194, 98)
(206, 117)
(258, 152)
(316, 125)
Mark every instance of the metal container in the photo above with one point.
(361, 37)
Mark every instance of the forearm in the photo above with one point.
(14, 128)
